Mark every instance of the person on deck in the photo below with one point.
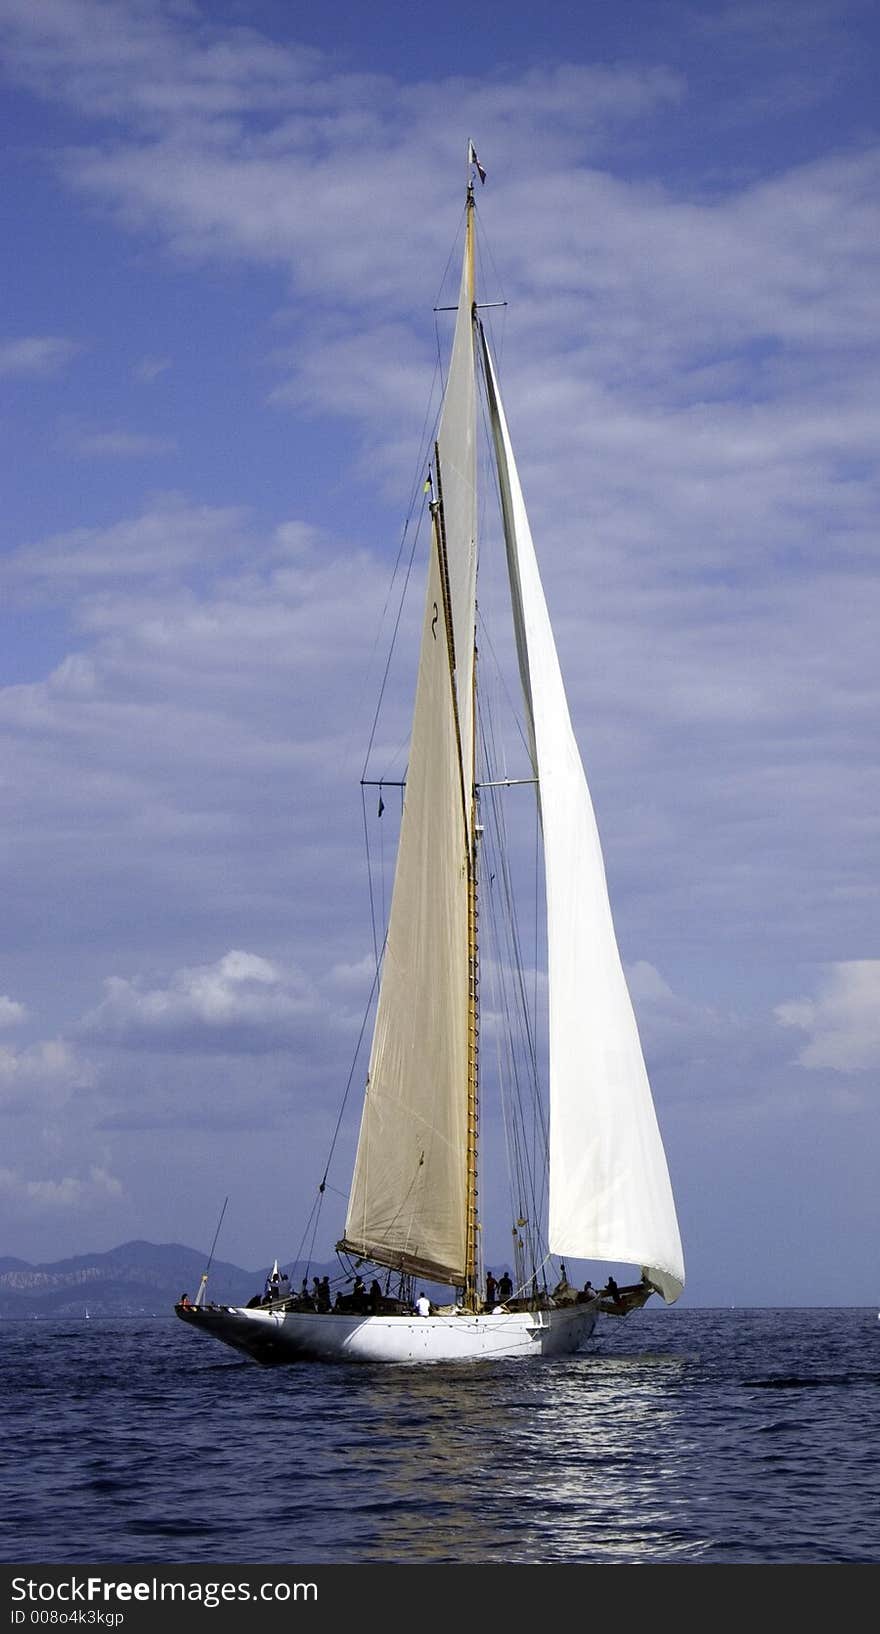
(491, 1290)
(505, 1289)
(423, 1305)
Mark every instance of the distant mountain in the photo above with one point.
(135, 1279)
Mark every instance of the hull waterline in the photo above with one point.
(272, 1336)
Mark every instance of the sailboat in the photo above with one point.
(413, 1203)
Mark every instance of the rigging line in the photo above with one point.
(323, 1186)
(535, 926)
(439, 365)
(452, 249)
(415, 484)
(498, 1003)
(314, 1215)
(521, 1168)
(514, 965)
(414, 495)
(316, 1206)
(369, 874)
(484, 258)
(515, 943)
(214, 1243)
(517, 1119)
(350, 1077)
(517, 718)
(397, 620)
(312, 1223)
(384, 910)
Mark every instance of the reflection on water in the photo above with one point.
(678, 1436)
(564, 1461)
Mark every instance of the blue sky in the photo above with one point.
(226, 227)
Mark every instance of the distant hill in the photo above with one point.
(135, 1279)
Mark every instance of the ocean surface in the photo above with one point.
(676, 1436)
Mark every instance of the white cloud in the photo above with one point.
(11, 1012)
(169, 535)
(295, 539)
(843, 1021)
(118, 444)
(150, 368)
(36, 356)
(242, 1001)
(69, 1192)
(41, 1075)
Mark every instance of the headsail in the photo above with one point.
(610, 1195)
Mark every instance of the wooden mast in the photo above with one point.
(472, 1292)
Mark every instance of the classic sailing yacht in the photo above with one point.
(413, 1202)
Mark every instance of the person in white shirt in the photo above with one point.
(423, 1305)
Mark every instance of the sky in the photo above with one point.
(226, 228)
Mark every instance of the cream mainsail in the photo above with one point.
(408, 1205)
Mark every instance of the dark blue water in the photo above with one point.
(678, 1436)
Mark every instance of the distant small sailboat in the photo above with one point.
(413, 1203)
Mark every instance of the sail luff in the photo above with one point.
(610, 1194)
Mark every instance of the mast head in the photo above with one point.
(474, 168)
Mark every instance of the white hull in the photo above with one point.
(304, 1336)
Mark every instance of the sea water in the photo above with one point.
(677, 1436)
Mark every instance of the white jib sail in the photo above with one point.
(610, 1194)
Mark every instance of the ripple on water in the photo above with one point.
(681, 1436)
